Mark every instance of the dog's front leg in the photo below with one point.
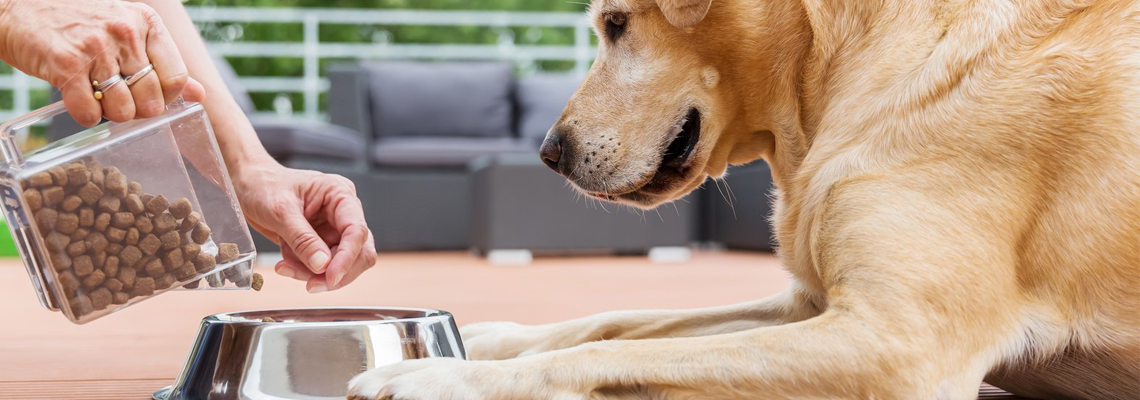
(908, 317)
(504, 340)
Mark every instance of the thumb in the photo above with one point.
(298, 234)
(193, 91)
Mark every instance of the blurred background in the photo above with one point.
(436, 109)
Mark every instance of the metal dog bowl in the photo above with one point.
(306, 353)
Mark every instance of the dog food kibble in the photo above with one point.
(102, 222)
(52, 196)
(71, 203)
(181, 208)
(90, 193)
(134, 204)
(164, 222)
(110, 204)
(227, 252)
(109, 241)
(201, 233)
(150, 244)
(35, 201)
(144, 224)
(94, 279)
(157, 205)
(82, 265)
(190, 222)
(258, 282)
(116, 235)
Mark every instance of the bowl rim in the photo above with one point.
(430, 314)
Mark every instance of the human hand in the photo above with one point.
(71, 43)
(316, 218)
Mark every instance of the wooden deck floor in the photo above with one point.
(130, 354)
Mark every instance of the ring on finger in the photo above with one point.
(101, 87)
(137, 76)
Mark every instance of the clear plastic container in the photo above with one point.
(122, 212)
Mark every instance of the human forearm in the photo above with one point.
(236, 137)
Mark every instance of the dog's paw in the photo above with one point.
(503, 340)
(426, 379)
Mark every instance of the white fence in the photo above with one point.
(311, 49)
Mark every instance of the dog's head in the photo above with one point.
(646, 125)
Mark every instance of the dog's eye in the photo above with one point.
(615, 25)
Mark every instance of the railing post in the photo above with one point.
(312, 65)
(581, 48)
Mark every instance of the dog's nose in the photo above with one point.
(551, 151)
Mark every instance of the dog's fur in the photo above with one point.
(959, 200)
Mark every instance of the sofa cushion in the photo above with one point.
(441, 151)
(295, 137)
(541, 100)
(441, 99)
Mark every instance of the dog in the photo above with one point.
(958, 201)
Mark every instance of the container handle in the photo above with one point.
(8, 145)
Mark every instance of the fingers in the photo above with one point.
(362, 264)
(164, 55)
(302, 240)
(118, 104)
(79, 98)
(355, 248)
(290, 267)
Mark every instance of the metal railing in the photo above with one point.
(311, 49)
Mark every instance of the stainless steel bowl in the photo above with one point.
(306, 353)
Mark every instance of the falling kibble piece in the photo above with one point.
(52, 196)
(181, 208)
(201, 233)
(34, 199)
(157, 205)
(258, 282)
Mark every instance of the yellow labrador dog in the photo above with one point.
(959, 201)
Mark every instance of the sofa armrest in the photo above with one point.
(350, 101)
(290, 139)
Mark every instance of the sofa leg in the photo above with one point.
(509, 257)
(669, 254)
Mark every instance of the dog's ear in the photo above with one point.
(684, 13)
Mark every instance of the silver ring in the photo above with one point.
(137, 76)
(112, 81)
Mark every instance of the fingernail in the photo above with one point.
(319, 287)
(318, 261)
(285, 271)
(339, 276)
